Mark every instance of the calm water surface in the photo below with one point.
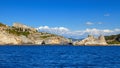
(59, 57)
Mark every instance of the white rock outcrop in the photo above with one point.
(21, 34)
(57, 40)
(6, 38)
(25, 40)
(91, 40)
(24, 27)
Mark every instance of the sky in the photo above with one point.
(69, 18)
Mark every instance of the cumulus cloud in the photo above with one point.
(95, 31)
(56, 30)
(78, 33)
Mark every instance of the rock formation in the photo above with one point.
(47, 38)
(20, 34)
(91, 40)
(24, 27)
(57, 40)
(6, 38)
(113, 39)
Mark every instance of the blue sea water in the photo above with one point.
(59, 56)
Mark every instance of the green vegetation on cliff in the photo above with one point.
(22, 34)
(18, 31)
(113, 39)
(46, 35)
(43, 37)
(1, 24)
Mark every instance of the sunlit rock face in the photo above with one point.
(24, 27)
(6, 38)
(102, 40)
(20, 34)
(57, 40)
(47, 38)
(91, 40)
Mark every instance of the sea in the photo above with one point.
(58, 56)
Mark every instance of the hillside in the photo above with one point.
(22, 34)
(113, 39)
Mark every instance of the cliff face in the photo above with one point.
(47, 38)
(21, 34)
(6, 38)
(57, 40)
(24, 27)
(91, 40)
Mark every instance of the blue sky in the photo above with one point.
(75, 15)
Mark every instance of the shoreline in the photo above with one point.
(54, 45)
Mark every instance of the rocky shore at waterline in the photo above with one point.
(91, 40)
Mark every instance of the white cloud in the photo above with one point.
(107, 31)
(107, 14)
(78, 33)
(117, 30)
(56, 30)
(89, 23)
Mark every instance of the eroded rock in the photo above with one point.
(91, 40)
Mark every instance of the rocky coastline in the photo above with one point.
(20, 34)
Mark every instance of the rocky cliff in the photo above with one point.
(91, 40)
(47, 38)
(21, 34)
(113, 39)
(24, 27)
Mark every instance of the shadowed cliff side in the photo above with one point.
(113, 39)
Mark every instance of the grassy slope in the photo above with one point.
(113, 39)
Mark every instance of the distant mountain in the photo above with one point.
(113, 39)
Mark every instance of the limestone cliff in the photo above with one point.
(6, 38)
(57, 40)
(47, 38)
(24, 27)
(21, 34)
(91, 40)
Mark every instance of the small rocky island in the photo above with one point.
(20, 34)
